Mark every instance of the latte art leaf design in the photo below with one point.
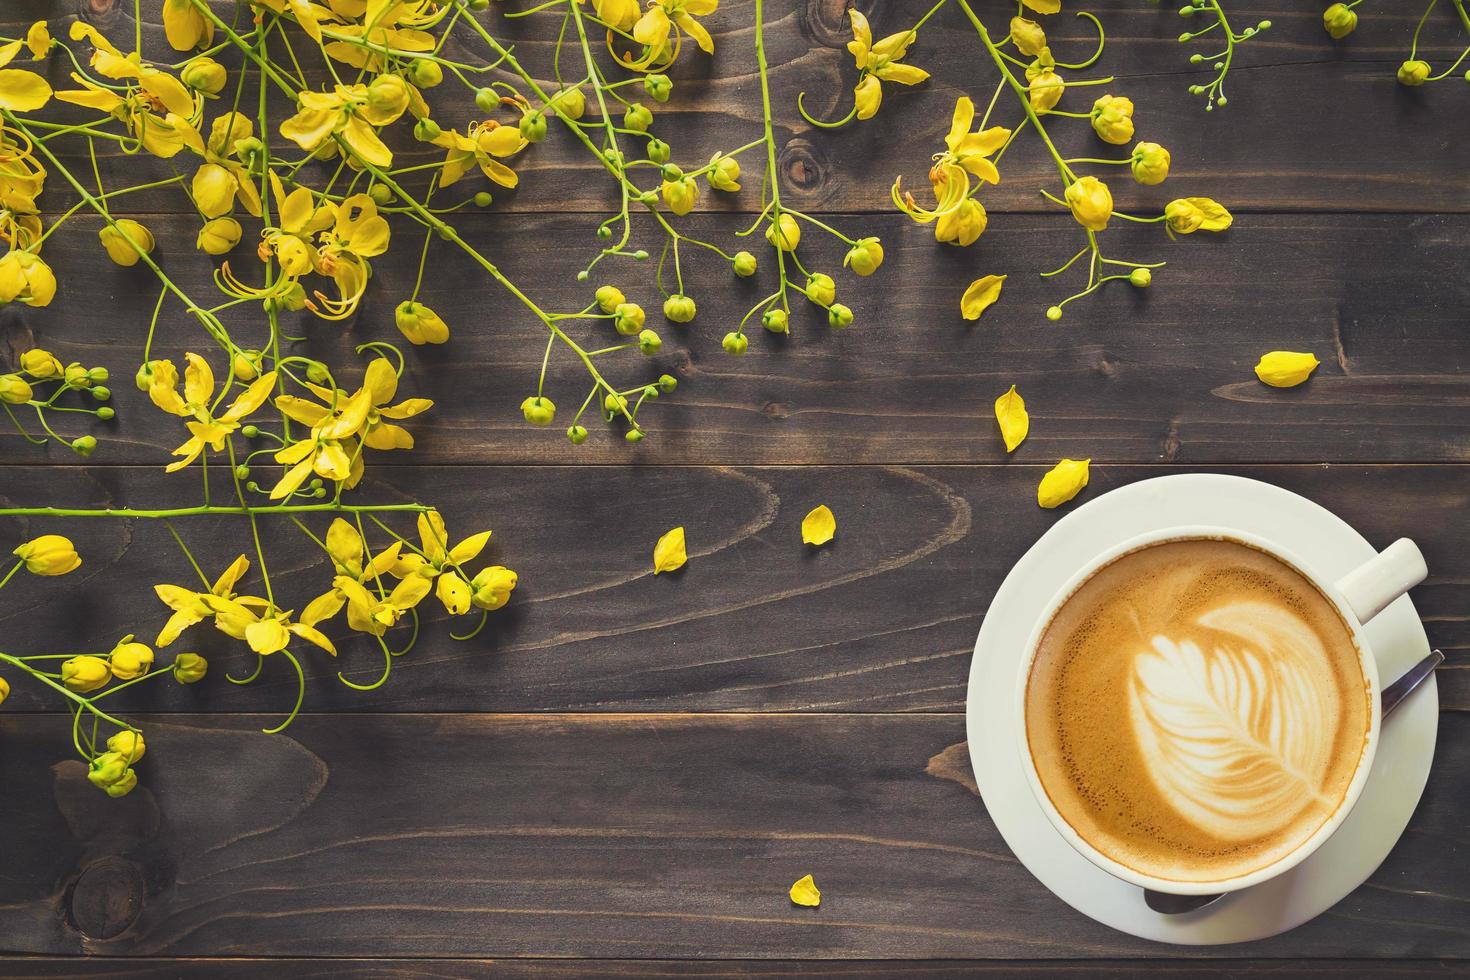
(1235, 720)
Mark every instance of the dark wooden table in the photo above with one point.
(623, 774)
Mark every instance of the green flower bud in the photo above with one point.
(76, 376)
(776, 321)
(735, 343)
(426, 130)
(571, 101)
(106, 414)
(242, 472)
(658, 86)
(84, 446)
(14, 390)
(724, 174)
(251, 432)
(316, 373)
(123, 239)
(143, 377)
(667, 383)
(101, 393)
(628, 318)
(97, 374)
(293, 297)
(658, 150)
(380, 194)
(1149, 163)
(820, 289)
(578, 434)
(218, 236)
(1053, 312)
(679, 308)
(609, 298)
(107, 769)
(483, 199)
(533, 126)
(865, 257)
(425, 73)
(1413, 73)
(1141, 278)
(486, 100)
(1339, 20)
(633, 435)
(744, 264)
(190, 668)
(538, 410)
(204, 75)
(614, 404)
(839, 316)
(638, 117)
(649, 342)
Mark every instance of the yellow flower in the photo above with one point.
(680, 195)
(1062, 482)
(805, 892)
(129, 660)
(962, 226)
(1012, 417)
(222, 175)
(617, 14)
(480, 146)
(1030, 39)
(359, 234)
(865, 257)
(959, 218)
(1339, 20)
(158, 94)
(129, 745)
(1186, 215)
(42, 364)
(38, 40)
(879, 61)
(1044, 86)
(420, 324)
(980, 295)
(491, 587)
(818, 526)
(14, 390)
(185, 26)
(366, 612)
(25, 277)
(1285, 369)
(299, 219)
(109, 771)
(436, 560)
(189, 607)
(724, 173)
(1112, 119)
(260, 624)
(197, 402)
(1150, 164)
(1043, 6)
(384, 28)
(86, 674)
(971, 150)
(126, 241)
(304, 12)
(49, 554)
(784, 233)
(348, 111)
(669, 553)
(1091, 203)
(662, 27)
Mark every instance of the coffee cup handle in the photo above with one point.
(1370, 587)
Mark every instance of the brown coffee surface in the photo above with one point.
(1197, 709)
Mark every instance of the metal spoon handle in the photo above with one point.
(1394, 694)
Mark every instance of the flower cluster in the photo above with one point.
(41, 381)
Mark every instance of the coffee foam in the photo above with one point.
(1196, 710)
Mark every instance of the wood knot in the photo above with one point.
(775, 411)
(101, 14)
(804, 166)
(827, 23)
(107, 898)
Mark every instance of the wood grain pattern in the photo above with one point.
(1162, 375)
(1352, 139)
(884, 619)
(584, 835)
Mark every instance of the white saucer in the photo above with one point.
(1331, 548)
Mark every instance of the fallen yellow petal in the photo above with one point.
(805, 892)
(669, 553)
(1015, 422)
(1285, 369)
(980, 295)
(1044, 6)
(818, 526)
(1062, 482)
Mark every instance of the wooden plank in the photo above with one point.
(1126, 376)
(884, 619)
(595, 835)
(141, 968)
(1265, 151)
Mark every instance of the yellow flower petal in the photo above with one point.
(1285, 369)
(669, 553)
(22, 91)
(1043, 6)
(1062, 482)
(805, 892)
(1015, 422)
(818, 527)
(981, 294)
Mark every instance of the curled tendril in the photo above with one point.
(837, 124)
(1101, 43)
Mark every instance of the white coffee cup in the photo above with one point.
(1359, 596)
